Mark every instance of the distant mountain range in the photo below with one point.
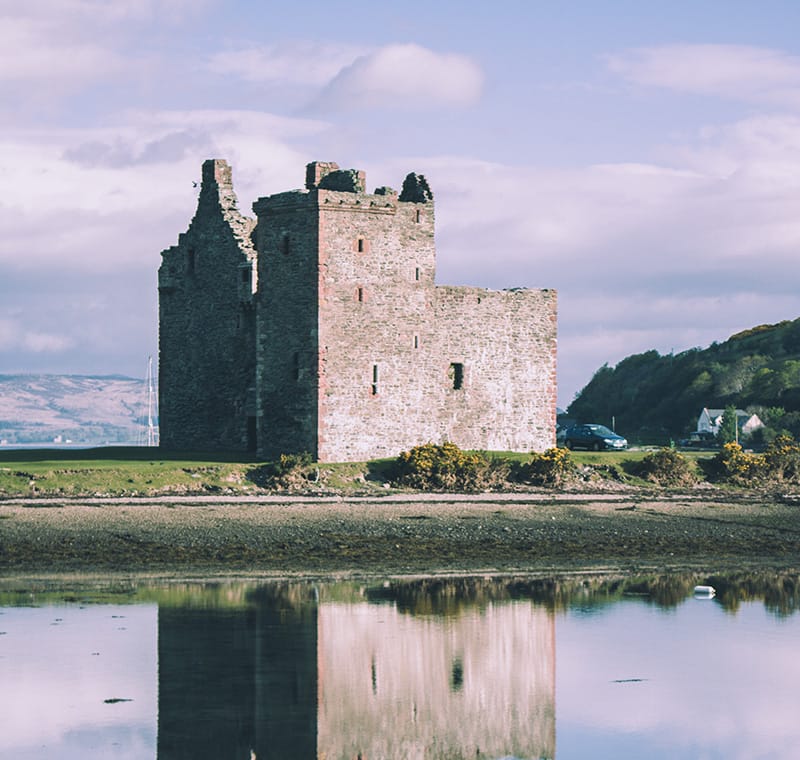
(60, 409)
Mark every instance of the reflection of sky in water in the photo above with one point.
(59, 664)
(714, 684)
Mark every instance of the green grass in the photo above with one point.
(131, 471)
(144, 471)
(118, 477)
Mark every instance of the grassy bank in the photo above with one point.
(152, 472)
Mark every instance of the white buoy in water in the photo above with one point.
(705, 591)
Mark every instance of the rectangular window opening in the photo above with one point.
(457, 375)
(360, 245)
(374, 379)
(416, 341)
(360, 295)
(416, 274)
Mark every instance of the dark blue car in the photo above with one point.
(594, 438)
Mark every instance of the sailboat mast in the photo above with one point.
(151, 436)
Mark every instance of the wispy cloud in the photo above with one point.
(169, 148)
(403, 77)
(735, 72)
(14, 335)
(302, 62)
(53, 48)
(33, 52)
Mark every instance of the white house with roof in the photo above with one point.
(711, 419)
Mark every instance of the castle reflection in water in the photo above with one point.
(427, 670)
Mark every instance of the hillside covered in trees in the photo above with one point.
(653, 397)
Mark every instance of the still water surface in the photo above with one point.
(435, 669)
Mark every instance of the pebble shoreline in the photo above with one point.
(399, 534)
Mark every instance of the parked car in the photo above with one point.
(594, 437)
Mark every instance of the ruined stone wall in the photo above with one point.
(503, 344)
(287, 332)
(207, 325)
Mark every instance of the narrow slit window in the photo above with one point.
(360, 294)
(417, 216)
(296, 365)
(360, 245)
(457, 375)
(416, 274)
(374, 379)
(285, 244)
(416, 341)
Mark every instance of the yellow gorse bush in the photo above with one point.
(666, 467)
(550, 468)
(446, 467)
(739, 466)
(782, 459)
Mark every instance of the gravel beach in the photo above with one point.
(406, 534)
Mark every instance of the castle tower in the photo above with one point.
(206, 285)
(345, 304)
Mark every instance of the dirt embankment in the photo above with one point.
(399, 534)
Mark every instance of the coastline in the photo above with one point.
(399, 534)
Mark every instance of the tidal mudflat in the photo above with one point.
(400, 533)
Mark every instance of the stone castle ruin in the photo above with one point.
(318, 327)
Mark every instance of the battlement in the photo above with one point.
(331, 187)
(326, 175)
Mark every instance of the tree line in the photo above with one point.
(654, 397)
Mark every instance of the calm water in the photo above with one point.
(445, 668)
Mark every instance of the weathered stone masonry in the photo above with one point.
(319, 328)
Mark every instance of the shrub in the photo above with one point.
(666, 467)
(287, 472)
(782, 459)
(445, 467)
(551, 468)
(738, 466)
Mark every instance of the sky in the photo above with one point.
(642, 159)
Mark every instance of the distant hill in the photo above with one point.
(651, 396)
(87, 410)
